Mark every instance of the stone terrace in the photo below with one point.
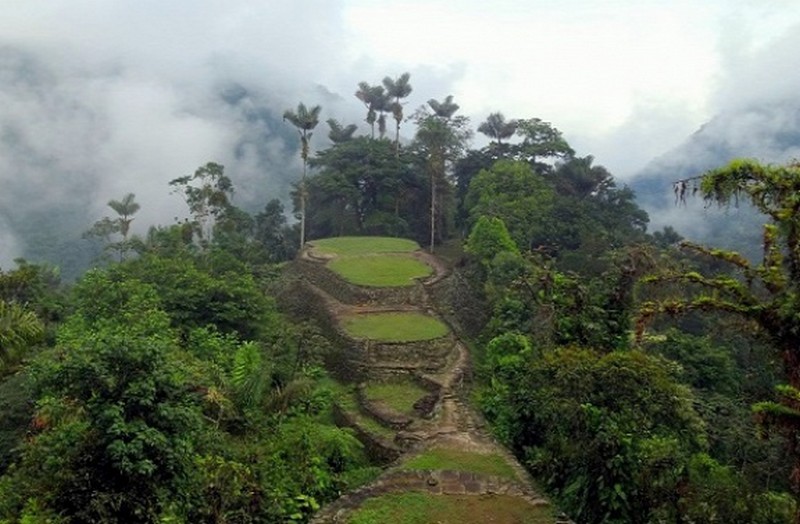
(440, 420)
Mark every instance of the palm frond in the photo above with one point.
(18, 329)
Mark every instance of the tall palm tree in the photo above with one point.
(373, 98)
(304, 120)
(125, 208)
(443, 136)
(383, 105)
(497, 127)
(340, 133)
(397, 90)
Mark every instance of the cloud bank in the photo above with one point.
(101, 98)
(757, 116)
(98, 99)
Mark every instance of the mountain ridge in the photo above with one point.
(767, 132)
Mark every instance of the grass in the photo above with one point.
(399, 396)
(453, 459)
(346, 398)
(352, 246)
(423, 508)
(380, 270)
(394, 327)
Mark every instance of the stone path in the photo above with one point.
(446, 423)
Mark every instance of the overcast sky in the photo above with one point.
(117, 96)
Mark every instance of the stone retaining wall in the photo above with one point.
(429, 356)
(378, 449)
(440, 482)
(426, 406)
(387, 416)
(456, 301)
(345, 362)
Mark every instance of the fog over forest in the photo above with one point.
(98, 99)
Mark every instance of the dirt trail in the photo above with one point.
(453, 424)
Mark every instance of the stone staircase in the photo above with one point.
(441, 422)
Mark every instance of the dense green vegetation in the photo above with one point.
(168, 387)
(637, 381)
(615, 431)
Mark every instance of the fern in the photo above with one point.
(249, 374)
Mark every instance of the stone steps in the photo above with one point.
(444, 366)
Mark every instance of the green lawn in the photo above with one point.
(423, 508)
(350, 246)
(380, 270)
(443, 458)
(399, 396)
(394, 327)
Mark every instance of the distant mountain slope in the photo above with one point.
(71, 141)
(768, 132)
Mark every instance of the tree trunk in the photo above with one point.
(303, 208)
(791, 361)
(433, 210)
(397, 140)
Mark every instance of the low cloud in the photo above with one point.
(101, 99)
(98, 99)
(757, 115)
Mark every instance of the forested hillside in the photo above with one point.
(637, 378)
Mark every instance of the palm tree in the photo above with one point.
(125, 208)
(18, 329)
(304, 120)
(497, 127)
(397, 89)
(373, 99)
(445, 109)
(579, 178)
(443, 137)
(105, 227)
(340, 133)
(383, 105)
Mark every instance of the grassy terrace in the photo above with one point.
(346, 398)
(399, 396)
(394, 327)
(373, 261)
(380, 270)
(453, 459)
(423, 508)
(354, 246)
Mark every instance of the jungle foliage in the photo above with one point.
(637, 380)
(171, 389)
